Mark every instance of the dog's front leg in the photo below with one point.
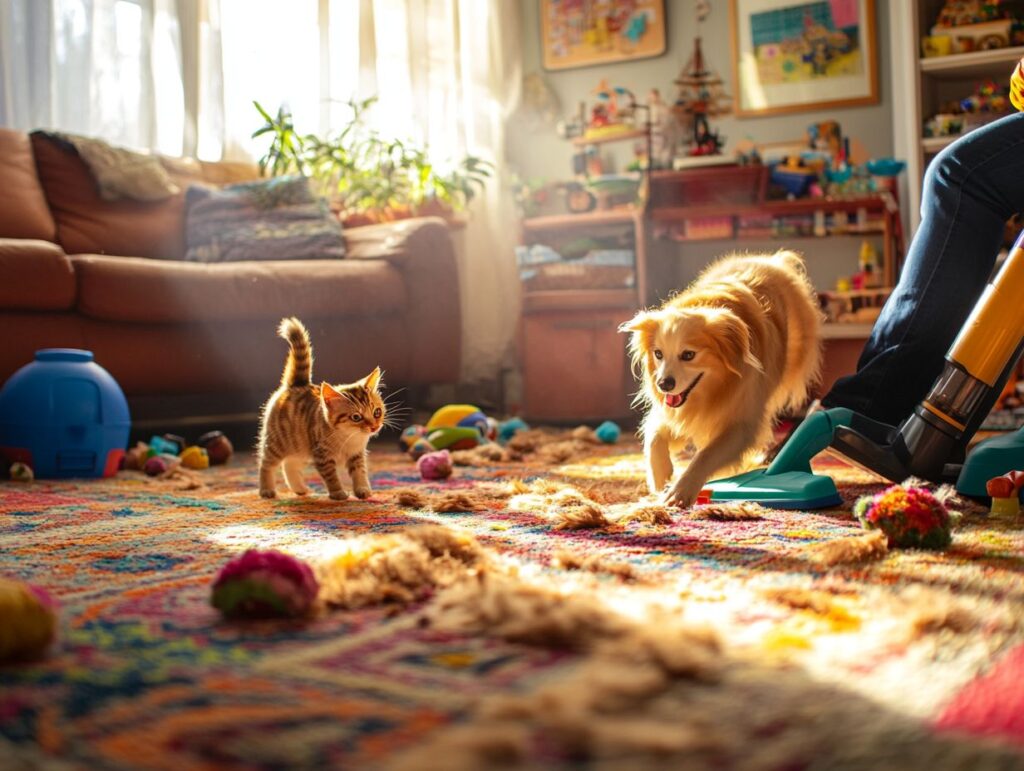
(659, 461)
(722, 451)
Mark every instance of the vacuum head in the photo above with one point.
(788, 482)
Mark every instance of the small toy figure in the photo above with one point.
(701, 95)
(1005, 492)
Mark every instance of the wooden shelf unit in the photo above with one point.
(571, 336)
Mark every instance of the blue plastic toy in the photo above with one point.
(64, 415)
(510, 428)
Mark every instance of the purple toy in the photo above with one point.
(435, 465)
(265, 583)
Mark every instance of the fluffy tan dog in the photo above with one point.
(719, 361)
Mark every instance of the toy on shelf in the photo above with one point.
(64, 416)
(969, 25)
(910, 517)
(264, 583)
(1005, 493)
(701, 95)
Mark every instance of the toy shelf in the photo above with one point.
(614, 137)
(618, 216)
(972, 64)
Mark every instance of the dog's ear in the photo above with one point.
(641, 329)
(729, 335)
(643, 321)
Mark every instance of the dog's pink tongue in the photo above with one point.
(673, 400)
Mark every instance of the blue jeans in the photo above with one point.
(971, 188)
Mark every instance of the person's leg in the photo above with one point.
(971, 189)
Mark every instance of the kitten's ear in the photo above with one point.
(330, 397)
(371, 381)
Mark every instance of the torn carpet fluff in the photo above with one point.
(456, 500)
(566, 506)
(872, 545)
(593, 563)
(728, 512)
(400, 567)
(655, 691)
(648, 513)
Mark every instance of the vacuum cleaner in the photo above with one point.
(927, 443)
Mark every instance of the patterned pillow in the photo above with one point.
(271, 219)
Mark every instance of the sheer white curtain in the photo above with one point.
(100, 67)
(446, 74)
(179, 77)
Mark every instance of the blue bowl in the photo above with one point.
(885, 167)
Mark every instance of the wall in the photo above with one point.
(542, 154)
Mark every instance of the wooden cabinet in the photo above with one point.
(574, 364)
(572, 356)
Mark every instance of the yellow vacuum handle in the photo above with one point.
(996, 325)
(1017, 86)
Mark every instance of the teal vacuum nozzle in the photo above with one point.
(788, 482)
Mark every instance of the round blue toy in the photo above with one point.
(64, 415)
(608, 432)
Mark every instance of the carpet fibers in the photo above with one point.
(544, 617)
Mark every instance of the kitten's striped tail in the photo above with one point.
(298, 367)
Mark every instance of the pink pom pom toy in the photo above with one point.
(435, 465)
(259, 584)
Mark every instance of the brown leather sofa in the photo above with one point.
(78, 271)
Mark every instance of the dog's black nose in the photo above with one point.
(666, 384)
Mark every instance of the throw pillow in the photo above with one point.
(270, 219)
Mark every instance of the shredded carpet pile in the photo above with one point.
(525, 613)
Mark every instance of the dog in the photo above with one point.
(718, 362)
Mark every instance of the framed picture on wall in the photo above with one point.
(580, 33)
(797, 55)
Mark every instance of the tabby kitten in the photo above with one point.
(325, 423)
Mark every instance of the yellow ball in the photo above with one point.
(30, 623)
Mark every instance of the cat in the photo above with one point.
(323, 423)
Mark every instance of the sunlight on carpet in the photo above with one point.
(729, 643)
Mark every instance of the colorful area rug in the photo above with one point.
(911, 660)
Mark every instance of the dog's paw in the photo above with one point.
(362, 493)
(268, 493)
(683, 494)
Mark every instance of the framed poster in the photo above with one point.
(798, 55)
(581, 33)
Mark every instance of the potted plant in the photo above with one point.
(367, 177)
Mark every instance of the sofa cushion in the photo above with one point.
(268, 219)
(23, 209)
(141, 290)
(35, 275)
(86, 224)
